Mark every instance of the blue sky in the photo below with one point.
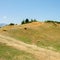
(17, 10)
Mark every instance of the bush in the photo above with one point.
(34, 20)
(49, 21)
(27, 21)
(25, 28)
(11, 24)
(57, 22)
(4, 30)
(23, 22)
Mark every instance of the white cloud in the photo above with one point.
(4, 17)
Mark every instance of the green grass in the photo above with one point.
(9, 53)
(46, 35)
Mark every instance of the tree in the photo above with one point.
(31, 20)
(35, 20)
(49, 21)
(23, 22)
(27, 21)
(11, 24)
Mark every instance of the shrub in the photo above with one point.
(34, 20)
(23, 22)
(27, 21)
(4, 30)
(49, 21)
(25, 28)
(11, 24)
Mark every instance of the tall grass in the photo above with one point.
(9, 53)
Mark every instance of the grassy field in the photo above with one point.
(41, 34)
(9, 53)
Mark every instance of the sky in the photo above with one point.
(14, 11)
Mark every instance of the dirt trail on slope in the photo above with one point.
(39, 53)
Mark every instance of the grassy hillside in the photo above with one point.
(41, 34)
(9, 53)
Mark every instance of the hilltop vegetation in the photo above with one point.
(34, 20)
(27, 21)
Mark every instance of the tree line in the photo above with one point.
(51, 21)
(28, 21)
(34, 20)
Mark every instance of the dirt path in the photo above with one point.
(39, 53)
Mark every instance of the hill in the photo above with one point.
(36, 38)
(38, 33)
(10, 53)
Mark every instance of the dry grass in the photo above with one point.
(38, 33)
(36, 52)
(10, 53)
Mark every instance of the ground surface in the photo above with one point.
(40, 40)
(10, 53)
(39, 53)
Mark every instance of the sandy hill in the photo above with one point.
(42, 35)
(39, 33)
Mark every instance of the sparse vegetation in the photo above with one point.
(44, 35)
(11, 24)
(27, 21)
(9, 53)
(51, 21)
(33, 20)
(23, 22)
